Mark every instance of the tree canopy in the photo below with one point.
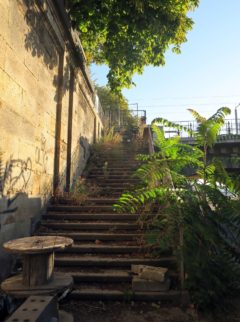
(127, 35)
(111, 101)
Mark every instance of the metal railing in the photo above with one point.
(230, 127)
(120, 118)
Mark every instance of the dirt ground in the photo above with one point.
(121, 312)
(138, 312)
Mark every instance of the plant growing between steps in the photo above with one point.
(79, 193)
(193, 217)
(110, 137)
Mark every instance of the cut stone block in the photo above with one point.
(150, 272)
(153, 273)
(137, 269)
(141, 285)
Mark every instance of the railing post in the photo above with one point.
(236, 118)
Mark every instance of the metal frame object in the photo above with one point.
(40, 309)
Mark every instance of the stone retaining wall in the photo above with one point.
(47, 113)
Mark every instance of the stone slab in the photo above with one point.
(141, 285)
(150, 272)
(154, 273)
(137, 269)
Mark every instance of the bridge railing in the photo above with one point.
(229, 128)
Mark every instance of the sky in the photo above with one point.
(205, 76)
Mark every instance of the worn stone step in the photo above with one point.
(113, 162)
(106, 237)
(110, 171)
(103, 249)
(109, 180)
(113, 190)
(114, 168)
(116, 160)
(82, 208)
(120, 178)
(173, 297)
(93, 276)
(108, 175)
(115, 185)
(87, 201)
(97, 261)
(90, 216)
(108, 276)
(91, 226)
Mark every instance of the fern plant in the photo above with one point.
(194, 218)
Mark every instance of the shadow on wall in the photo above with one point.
(18, 216)
(15, 175)
(18, 212)
(42, 42)
(38, 36)
(79, 159)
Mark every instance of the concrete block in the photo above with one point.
(153, 273)
(142, 285)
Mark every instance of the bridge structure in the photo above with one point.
(227, 147)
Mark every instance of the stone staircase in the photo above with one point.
(106, 243)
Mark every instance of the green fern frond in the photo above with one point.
(166, 123)
(197, 116)
(220, 115)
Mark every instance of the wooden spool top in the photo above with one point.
(37, 244)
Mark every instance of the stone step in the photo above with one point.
(100, 261)
(82, 208)
(103, 249)
(173, 297)
(110, 176)
(114, 168)
(114, 182)
(125, 160)
(70, 200)
(91, 226)
(101, 275)
(96, 216)
(111, 171)
(107, 276)
(113, 190)
(105, 237)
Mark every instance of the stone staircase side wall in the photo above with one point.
(38, 55)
